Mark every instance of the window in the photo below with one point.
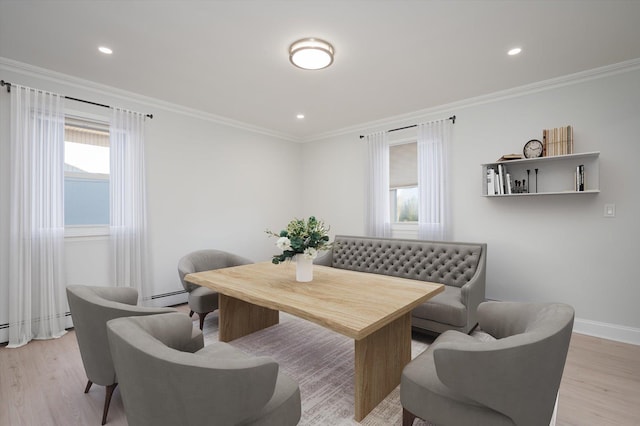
(403, 182)
(86, 173)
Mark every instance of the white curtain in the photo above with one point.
(128, 206)
(37, 300)
(434, 209)
(377, 214)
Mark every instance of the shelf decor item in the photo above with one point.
(533, 149)
(301, 241)
(557, 141)
(580, 178)
(509, 157)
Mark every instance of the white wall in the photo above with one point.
(544, 248)
(213, 185)
(209, 186)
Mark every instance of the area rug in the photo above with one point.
(322, 362)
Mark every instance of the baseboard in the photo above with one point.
(603, 330)
(619, 333)
(4, 328)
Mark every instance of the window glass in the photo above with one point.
(406, 204)
(86, 181)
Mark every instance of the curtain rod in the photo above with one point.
(6, 83)
(452, 118)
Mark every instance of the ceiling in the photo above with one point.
(392, 58)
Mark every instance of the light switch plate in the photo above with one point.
(609, 210)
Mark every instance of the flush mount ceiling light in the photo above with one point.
(311, 54)
(105, 50)
(514, 51)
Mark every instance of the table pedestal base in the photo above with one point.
(379, 360)
(238, 318)
(379, 357)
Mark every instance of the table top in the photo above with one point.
(352, 303)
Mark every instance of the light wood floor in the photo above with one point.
(42, 383)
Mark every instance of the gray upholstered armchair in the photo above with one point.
(91, 308)
(164, 381)
(507, 374)
(201, 299)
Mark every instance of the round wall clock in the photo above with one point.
(532, 149)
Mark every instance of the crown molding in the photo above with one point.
(124, 95)
(394, 121)
(450, 108)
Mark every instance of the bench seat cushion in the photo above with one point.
(445, 308)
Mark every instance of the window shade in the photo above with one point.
(403, 165)
(86, 133)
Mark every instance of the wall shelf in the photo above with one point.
(556, 174)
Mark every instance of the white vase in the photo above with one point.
(304, 269)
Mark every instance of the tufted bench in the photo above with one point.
(461, 267)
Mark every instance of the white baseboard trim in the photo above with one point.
(619, 333)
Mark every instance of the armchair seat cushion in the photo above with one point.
(421, 386)
(203, 299)
(445, 308)
(281, 408)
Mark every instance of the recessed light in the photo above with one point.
(105, 50)
(300, 116)
(514, 51)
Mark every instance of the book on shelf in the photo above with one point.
(491, 182)
(557, 141)
(502, 170)
(508, 184)
(507, 157)
(580, 178)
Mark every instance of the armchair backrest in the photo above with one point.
(162, 385)
(519, 373)
(206, 260)
(91, 308)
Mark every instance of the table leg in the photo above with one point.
(379, 360)
(238, 318)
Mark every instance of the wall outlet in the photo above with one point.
(609, 210)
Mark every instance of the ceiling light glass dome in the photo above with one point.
(311, 54)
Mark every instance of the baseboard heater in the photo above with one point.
(173, 293)
(155, 296)
(3, 326)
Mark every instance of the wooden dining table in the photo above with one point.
(372, 309)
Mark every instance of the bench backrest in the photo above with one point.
(452, 264)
